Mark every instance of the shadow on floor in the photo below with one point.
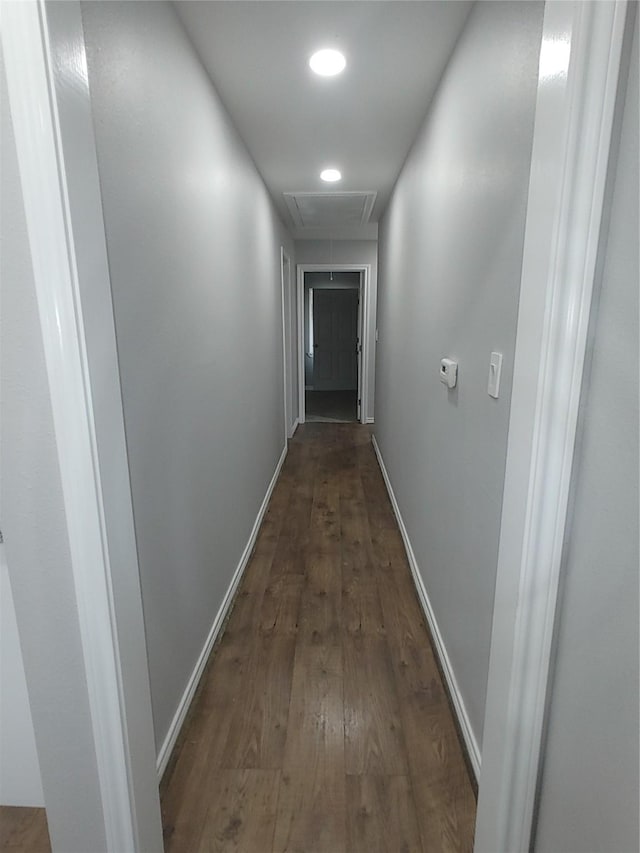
(331, 406)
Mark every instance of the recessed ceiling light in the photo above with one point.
(327, 62)
(330, 175)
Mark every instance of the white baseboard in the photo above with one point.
(294, 427)
(454, 691)
(185, 702)
(370, 420)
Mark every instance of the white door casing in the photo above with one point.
(577, 86)
(287, 329)
(576, 94)
(364, 321)
(361, 412)
(49, 100)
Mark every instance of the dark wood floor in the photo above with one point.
(23, 830)
(331, 406)
(321, 724)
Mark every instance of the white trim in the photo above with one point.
(572, 134)
(301, 349)
(295, 426)
(361, 414)
(30, 78)
(471, 743)
(370, 420)
(286, 327)
(192, 685)
(78, 153)
(365, 297)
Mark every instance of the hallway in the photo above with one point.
(237, 622)
(321, 723)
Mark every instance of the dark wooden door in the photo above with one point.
(335, 336)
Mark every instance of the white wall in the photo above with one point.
(350, 252)
(20, 779)
(194, 254)
(450, 248)
(590, 792)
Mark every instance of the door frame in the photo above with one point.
(287, 349)
(572, 135)
(364, 321)
(50, 106)
(576, 97)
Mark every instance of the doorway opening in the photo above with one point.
(332, 343)
(331, 335)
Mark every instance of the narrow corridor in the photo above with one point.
(321, 722)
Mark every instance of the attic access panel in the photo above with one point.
(329, 209)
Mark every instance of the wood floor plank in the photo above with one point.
(446, 813)
(388, 548)
(385, 540)
(378, 504)
(423, 701)
(359, 558)
(290, 553)
(311, 805)
(24, 830)
(433, 745)
(418, 681)
(374, 741)
(324, 526)
(321, 605)
(361, 608)
(381, 815)
(315, 732)
(322, 596)
(245, 613)
(242, 811)
(256, 734)
(311, 810)
(183, 794)
(362, 614)
(227, 675)
(247, 605)
(183, 814)
(294, 532)
(280, 609)
(403, 618)
(271, 526)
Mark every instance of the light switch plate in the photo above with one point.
(495, 369)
